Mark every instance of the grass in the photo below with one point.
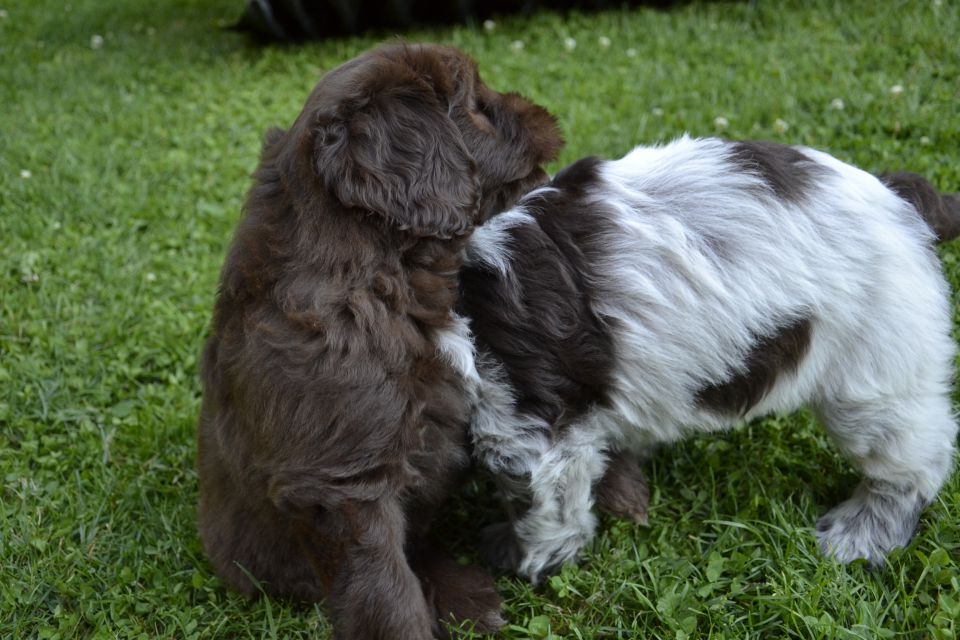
(138, 154)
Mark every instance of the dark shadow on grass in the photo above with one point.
(460, 520)
(269, 21)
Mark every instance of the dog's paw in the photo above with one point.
(545, 561)
(461, 596)
(535, 547)
(502, 550)
(876, 520)
(623, 490)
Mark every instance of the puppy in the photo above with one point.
(336, 391)
(692, 286)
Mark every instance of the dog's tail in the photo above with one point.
(940, 211)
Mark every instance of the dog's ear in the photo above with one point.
(395, 151)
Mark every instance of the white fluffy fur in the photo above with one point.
(703, 261)
(455, 346)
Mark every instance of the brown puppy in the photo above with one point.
(334, 412)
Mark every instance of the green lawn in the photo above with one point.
(122, 171)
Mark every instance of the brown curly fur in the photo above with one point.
(330, 427)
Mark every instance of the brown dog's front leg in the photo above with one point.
(374, 594)
(457, 594)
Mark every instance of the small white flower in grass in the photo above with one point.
(780, 126)
(657, 111)
(56, 226)
(150, 276)
(631, 53)
(896, 89)
(604, 42)
(937, 3)
(96, 41)
(3, 14)
(837, 104)
(25, 174)
(569, 44)
(517, 45)
(721, 123)
(29, 262)
(924, 140)
(489, 25)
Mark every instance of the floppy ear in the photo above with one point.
(401, 156)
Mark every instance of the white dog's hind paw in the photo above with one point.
(878, 518)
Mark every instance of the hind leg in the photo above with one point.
(244, 541)
(903, 447)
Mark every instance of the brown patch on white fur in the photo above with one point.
(771, 357)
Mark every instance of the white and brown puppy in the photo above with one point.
(689, 287)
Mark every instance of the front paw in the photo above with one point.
(544, 561)
(534, 556)
(461, 596)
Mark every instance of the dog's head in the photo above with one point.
(410, 133)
